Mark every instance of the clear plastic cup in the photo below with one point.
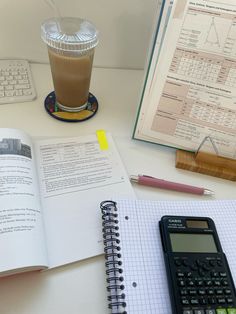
(71, 43)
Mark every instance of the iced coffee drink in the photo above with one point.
(71, 43)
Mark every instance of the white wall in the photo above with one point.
(125, 28)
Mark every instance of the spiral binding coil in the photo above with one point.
(113, 262)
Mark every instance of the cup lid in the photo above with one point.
(69, 34)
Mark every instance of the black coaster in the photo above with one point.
(57, 113)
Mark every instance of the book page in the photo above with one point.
(193, 89)
(21, 227)
(76, 175)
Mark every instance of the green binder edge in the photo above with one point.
(147, 72)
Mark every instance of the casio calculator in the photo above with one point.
(198, 274)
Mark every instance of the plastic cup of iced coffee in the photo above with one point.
(71, 43)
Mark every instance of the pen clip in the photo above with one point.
(145, 176)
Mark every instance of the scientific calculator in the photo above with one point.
(197, 270)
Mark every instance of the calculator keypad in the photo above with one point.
(203, 286)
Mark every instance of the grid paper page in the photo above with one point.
(143, 265)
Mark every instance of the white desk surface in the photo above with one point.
(80, 288)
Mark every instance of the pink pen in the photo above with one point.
(168, 185)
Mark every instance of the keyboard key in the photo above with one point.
(23, 82)
(10, 93)
(16, 81)
(27, 92)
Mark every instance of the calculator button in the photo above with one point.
(221, 300)
(194, 266)
(179, 274)
(186, 263)
(189, 274)
(199, 283)
(212, 300)
(199, 262)
(229, 300)
(198, 311)
(206, 267)
(231, 311)
(217, 283)
(221, 311)
(194, 301)
(201, 292)
(183, 292)
(208, 283)
(210, 312)
(187, 312)
(224, 282)
(227, 291)
(219, 263)
(223, 274)
(178, 262)
(192, 292)
(181, 283)
(190, 283)
(213, 262)
(201, 273)
(185, 301)
(219, 291)
(203, 302)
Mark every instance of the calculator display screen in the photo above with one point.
(193, 243)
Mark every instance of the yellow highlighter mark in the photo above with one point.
(102, 139)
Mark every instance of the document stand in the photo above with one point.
(207, 160)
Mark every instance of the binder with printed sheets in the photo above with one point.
(135, 267)
(190, 82)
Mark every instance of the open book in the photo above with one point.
(49, 191)
(190, 87)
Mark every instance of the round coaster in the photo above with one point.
(52, 108)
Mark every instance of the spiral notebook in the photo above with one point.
(135, 270)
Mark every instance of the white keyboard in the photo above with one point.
(16, 83)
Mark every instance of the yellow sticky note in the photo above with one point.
(102, 139)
